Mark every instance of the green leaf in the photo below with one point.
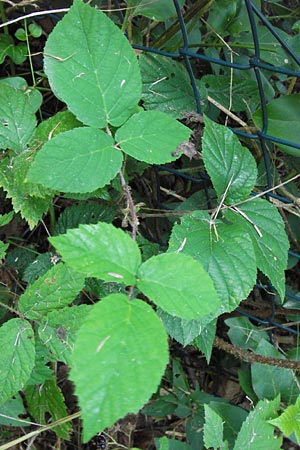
(179, 285)
(35, 30)
(152, 136)
(84, 212)
(18, 53)
(76, 166)
(232, 417)
(31, 200)
(60, 122)
(244, 334)
(20, 34)
(41, 371)
(256, 433)
(58, 333)
(206, 338)
(6, 218)
(33, 95)
(3, 248)
(289, 421)
(6, 42)
(56, 289)
(271, 245)
(120, 341)
(269, 381)
(183, 331)
(225, 251)
(17, 121)
(166, 85)
(39, 267)
(213, 429)
(186, 331)
(221, 89)
(155, 10)
(17, 357)
(231, 166)
(95, 72)
(100, 251)
(47, 400)
(13, 408)
(283, 121)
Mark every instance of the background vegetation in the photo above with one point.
(144, 242)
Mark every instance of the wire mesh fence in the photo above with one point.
(257, 63)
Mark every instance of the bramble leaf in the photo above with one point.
(152, 136)
(46, 400)
(56, 289)
(81, 160)
(100, 251)
(268, 236)
(166, 85)
(225, 251)
(179, 285)
(231, 166)
(17, 120)
(256, 433)
(17, 361)
(213, 429)
(58, 333)
(31, 200)
(95, 72)
(289, 421)
(120, 341)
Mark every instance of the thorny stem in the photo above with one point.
(134, 221)
(246, 356)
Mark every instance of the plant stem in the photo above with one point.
(127, 17)
(246, 356)
(134, 221)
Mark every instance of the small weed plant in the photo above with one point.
(117, 349)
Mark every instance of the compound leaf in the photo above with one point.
(120, 341)
(100, 251)
(95, 72)
(179, 285)
(17, 361)
(152, 136)
(225, 251)
(269, 238)
(231, 166)
(56, 289)
(81, 160)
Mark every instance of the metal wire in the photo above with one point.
(256, 65)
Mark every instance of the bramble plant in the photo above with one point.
(117, 349)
